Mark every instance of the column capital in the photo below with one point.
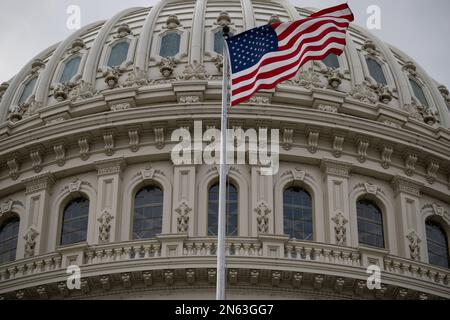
(110, 166)
(43, 181)
(336, 168)
(406, 185)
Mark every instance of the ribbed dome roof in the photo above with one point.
(184, 32)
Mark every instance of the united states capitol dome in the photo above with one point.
(86, 177)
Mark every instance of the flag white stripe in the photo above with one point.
(287, 72)
(278, 63)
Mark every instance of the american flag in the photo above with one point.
(265, 56)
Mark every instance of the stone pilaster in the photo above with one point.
(337, 204)
(184, 213)
(37, 216)
(407, 213)
(263, 218)
(109, 196)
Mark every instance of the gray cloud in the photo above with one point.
(419, 28)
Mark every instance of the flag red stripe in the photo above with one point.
(274, 72)
(287, 77)
(287, 56)
(324, 12)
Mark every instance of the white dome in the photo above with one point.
(93, 115)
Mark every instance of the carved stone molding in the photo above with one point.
(60, 154)
(105, 225)
(6, 207)
(39, 182)
(83, 144)
(386, 154)
(406, 185)
(183, 212)
(159, 138)
(147, 173)
(313, 140)
(414, 245)
(340, 228)
(120, 107)
(133, 135)
(336, 168)
(14, 167)
(338, 145)
(36, 160)
(432, 170)
(108, 139)
(410, 163)
(362, 147)
(262, 217)
(288, 137)
(30, 241)
(110, 166)
(438, 210)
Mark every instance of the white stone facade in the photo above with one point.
(105, 140)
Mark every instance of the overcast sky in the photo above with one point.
(420, 28)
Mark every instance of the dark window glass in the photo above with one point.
(27, 90)
(437, 245)
(170, 45)
(9, 232)
(297, 214)
(75, 222)
(331, 61)
(218, 42)
(118, 54)
(148, 213)
(232, 210)
(70, 69)
(418, 92)
(376, 71)
(370, 224)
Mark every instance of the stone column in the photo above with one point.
(262, 215)
(337, 211)
(407, 213)
(109, 200)
(38, 214)
(184, 215)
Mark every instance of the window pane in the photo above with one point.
(418, 92)
(70, 69)
(27, 90)
(118, 54)
(297, 214)
(170, 45)
(75, 222)
(376, 71)
(9, 232)
(232, 210)
(331, 61)
(218, 42)
(370, 224)
(437, 245)
(148, 212)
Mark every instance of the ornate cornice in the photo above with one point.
(110, 166)
(336, 168)
(406, 185)
(39, 182)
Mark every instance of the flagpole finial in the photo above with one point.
(226, 32)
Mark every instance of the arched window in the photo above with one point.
(218, 42)
(27, 90)
(418, 92)
(70, 69)
(170, 45)
(437, 245)
(232, 210)
(376, 71)
(370, 224)
(331, 61)
(148, 213)
(297, 214)
(9, 232)
(118, 54)
(75, 222)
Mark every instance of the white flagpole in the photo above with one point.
(221, 282)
